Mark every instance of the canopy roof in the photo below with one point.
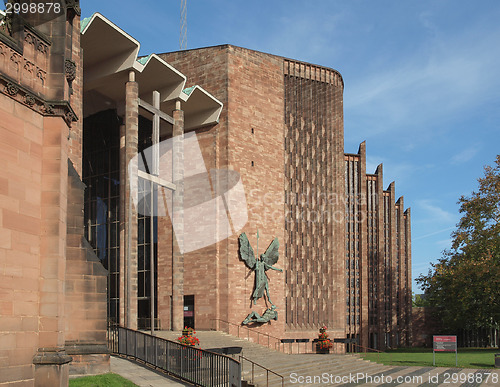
(110, 54)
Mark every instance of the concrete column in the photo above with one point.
(131, 140)
(178, 220)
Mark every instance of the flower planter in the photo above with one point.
(324, 343)
(188, 337)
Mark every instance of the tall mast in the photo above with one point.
(183, 30)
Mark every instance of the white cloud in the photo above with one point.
(444, 77)
(435, 213)
(432, 233)
(465, 155)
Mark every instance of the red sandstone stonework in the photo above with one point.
(52, 290)
(281, 129)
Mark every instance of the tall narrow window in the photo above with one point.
(102, 201)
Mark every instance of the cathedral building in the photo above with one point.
(344, 240)
(127, 181)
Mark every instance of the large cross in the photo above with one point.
(155, 180)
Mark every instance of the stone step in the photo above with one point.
(301, 369)
(281, 363)
(297, 367)
(307, 369)
(339, 368)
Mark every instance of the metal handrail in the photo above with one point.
(197, 366)
(368, 349)
(278, 340)
(261, 366)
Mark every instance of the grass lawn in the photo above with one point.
(106, 380)
(467, 357)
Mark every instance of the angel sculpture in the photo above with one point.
(260, 266)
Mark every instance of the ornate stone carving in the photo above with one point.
(40, 74)
(25, 95)
(48, 109)
(11, 89)
(69, 116)
(37, 43)
(70, 70)
(29, 99)
(30, 38)
(74, 5)
(29, 66)
(15, 57)
(6, 24)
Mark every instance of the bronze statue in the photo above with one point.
(269, 314)
(260, 266)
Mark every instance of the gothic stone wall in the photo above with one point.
(37, 140)
(21, 140)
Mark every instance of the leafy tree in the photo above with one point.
(419, 300)
(478, 231)
(464, 285)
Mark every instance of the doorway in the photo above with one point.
(189, 311)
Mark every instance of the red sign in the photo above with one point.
(445, 343)
(449, 339)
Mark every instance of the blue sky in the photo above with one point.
(421, 82)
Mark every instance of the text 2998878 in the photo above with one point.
(24, 7)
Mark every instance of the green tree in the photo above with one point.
(464, 285)
(478, 231)
(418, 300)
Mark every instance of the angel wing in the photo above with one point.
(271, 255)
(246, 251)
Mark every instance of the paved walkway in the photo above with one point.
(142, 375)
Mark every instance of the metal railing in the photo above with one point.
(250, 332)
(264, 368)
(366, 350)
(194, 365)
